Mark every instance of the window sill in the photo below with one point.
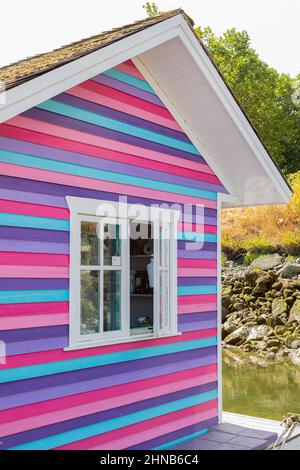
(110, 342)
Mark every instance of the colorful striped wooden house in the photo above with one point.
(111, 340)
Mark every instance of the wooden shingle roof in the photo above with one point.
(24, 70)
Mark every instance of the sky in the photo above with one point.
(30, 27)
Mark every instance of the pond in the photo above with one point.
(266, 390)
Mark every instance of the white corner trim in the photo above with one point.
(219, 308)
(222, 91)
(39, 89)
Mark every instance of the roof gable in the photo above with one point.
(168, 53)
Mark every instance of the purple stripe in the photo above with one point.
(82, 126)
(42, 151)
(197, 254)
(20, 233)
(23, 196)
(196, 247)
(27, 334)
(33, 247)
(196, 281)
(129, 89)
(194, 326)
(63, 190)
(196, 317)
(102, 416)
(69, 383)
(37, 345)
(32, 284)
(119, 116)
(173, 436)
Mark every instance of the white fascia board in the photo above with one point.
(44, 87)
(209, 71)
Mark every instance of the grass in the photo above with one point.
(250, 232)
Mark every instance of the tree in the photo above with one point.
(151, 9)
(270, 99)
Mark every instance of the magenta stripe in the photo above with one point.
(94, 162)
(63, 190)
(82, 126)
(129, 89)
(119, 116)
(53, 386)
(102, 416)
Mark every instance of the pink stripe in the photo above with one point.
(31, 321)
(197, 308)
(36, 308)
(129, 67)
(36, 259)
(197, 263)
(33, 271)
(193, 299)
(199, 228)
(20, 171)
(148, 433)
(105, 154)
(189, 272)
(51, 129)
(35, 409)
(88, 91)
(59, 355)
(37, 210)
(141, 428)
(104, 400)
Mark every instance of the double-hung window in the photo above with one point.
(123, 272)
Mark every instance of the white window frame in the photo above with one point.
(82, 209)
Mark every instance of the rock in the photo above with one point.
(266, 262)
(289, 270)
(226, 300)
(251, 276)
(279, 306)
(237, 336)
(295, 344)
(258, 332)
(238, 306)
(295, 312)
(295, 356)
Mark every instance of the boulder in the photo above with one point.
(289, 271)
(237, 336)
(258, 332)
(266, 262)
(279, 307)
(295, 312)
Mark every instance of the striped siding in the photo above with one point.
(106, 137)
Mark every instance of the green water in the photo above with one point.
(268, 391)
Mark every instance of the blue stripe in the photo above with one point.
(25, 296)
(116, 423)
(196, 290)
(170, 444)
(109, 123)
(104, 175)
(19, 220)
(28, 372)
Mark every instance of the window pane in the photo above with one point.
(164, 299)
(112, 300)
(112, 245)
(89, 244)
(89, 302)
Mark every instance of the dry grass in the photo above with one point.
(265, 229)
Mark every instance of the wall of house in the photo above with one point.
(108, 136)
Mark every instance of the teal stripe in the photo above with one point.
(25, 296)
(197, 237)
(38, 370)
(171, 444)
(109, 123)
(196, 290)
(19, 220)
(131, 80)
(79, 170)
(116, 423)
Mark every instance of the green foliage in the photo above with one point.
(250, 257)
(151, 9)
(270, 99)
(223, 260)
